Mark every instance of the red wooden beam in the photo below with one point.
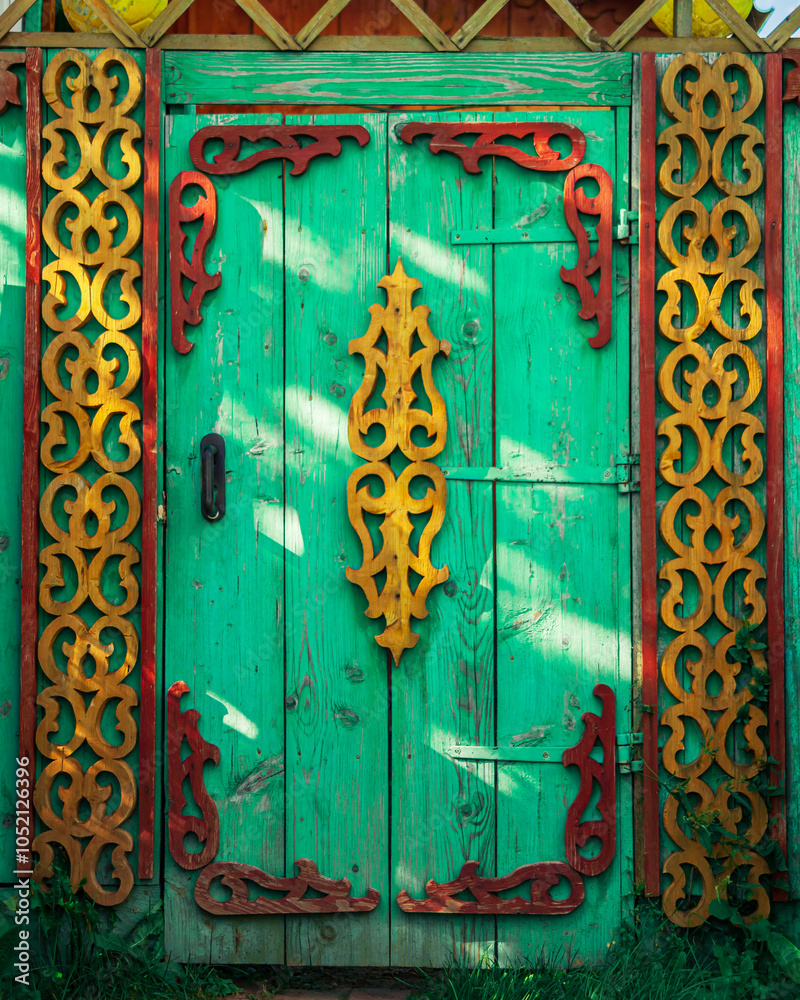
(647, 451)
(150, 267)
(773, 267)
(31, 420)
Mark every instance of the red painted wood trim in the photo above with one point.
(647, 449)
(773, 266)
(31, 418)
(150, 282)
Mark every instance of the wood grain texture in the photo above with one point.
(29, 547)
(561, 624)
(443, 812)
(595, 304)
(651, 821)
(702, 407)
(598, 729)
(9, 81)
(97, 514)
(401, 324)
(445, 139)
(543, 877)
(183, 726)
(327, 142)
(335, 894)
(185, 310)
(224, 581)
(377, 78)
(774, 507)
(335, 685)
(151, 255)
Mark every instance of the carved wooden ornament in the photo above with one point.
(183, 726)
(327, 141)
(597, 730)
(90, 518)
(399, 418)
(336, 898)
(594, 304)
(711, 393)
(445, 138)
(543, 877)
(205, 208)
(9, 81)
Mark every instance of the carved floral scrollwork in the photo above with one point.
(399, 418)
(89, 508)
(712, 522)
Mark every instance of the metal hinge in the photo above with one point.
(626, 481)
(628, 228)
(625, 760)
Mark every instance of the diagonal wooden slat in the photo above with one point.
(739, 26)
(320, 21)
(428, 28)
(781, 35)
(271, 28)
(13, 14)
(479, 20)
(578, 23)
(682, 18)
(161, 24)
(111, 19)
(638, 19)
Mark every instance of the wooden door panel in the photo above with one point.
(337, 715)
(224, 581)
(443, 691)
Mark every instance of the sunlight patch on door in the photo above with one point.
(281, 524)
(235, 719)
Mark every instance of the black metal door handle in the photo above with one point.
(212, 477)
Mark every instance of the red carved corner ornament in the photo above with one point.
(9, 82)
(180, 726)
(594, 305)
(444, 139)
(205, 208)
(327, 141)
(543, 876)
(598, 730)
(791, 87)
(336, 898)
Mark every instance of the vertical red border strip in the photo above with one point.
(647, 451)
(150, 287)
(31, 416)
(773, 268)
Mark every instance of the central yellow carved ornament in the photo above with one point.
(400, 365)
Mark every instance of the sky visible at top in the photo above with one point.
(782, 9)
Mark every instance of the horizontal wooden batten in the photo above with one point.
(367, 43)
(569, 475)
(370, 78)
(464, 237)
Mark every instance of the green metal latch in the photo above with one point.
(628, 228)
(546, 755)
(625, 744)
(625, 480)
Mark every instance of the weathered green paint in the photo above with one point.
(592, 79)
(12, 337)
(370, 789)
(791, 327)
(337, 717)
(224, 587)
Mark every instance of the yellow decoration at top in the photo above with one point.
(705, 23)
(137, 13)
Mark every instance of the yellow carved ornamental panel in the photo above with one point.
(400, 365)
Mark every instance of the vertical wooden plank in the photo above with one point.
(563, 589)
(12, 377)
(150, 297)
(647, 451)
(224, 592)
(337, 734)
(773, 293)
(443, 694)
(791, 444)
(30, 429)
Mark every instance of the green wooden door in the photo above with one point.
(328, 751)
